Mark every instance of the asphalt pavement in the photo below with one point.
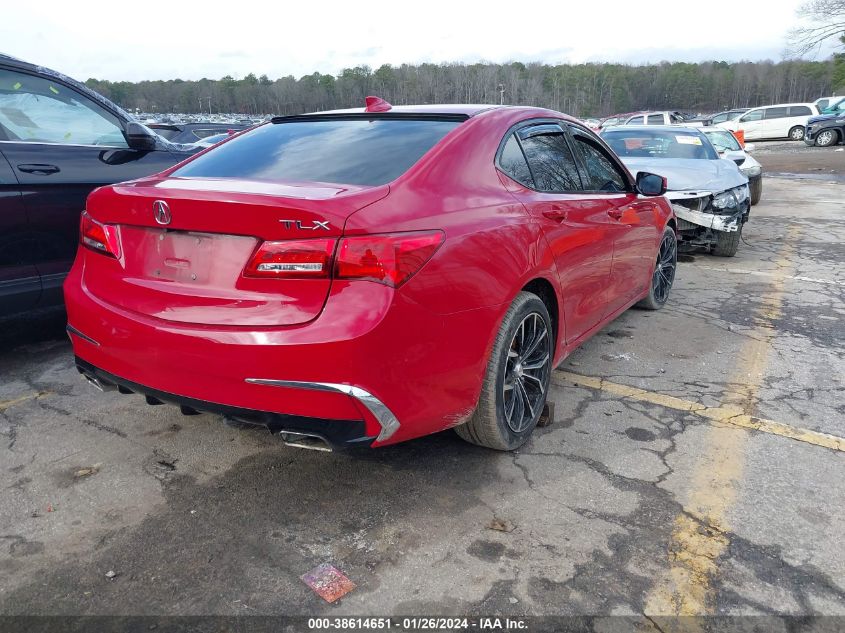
(696, 466)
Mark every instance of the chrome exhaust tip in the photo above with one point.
(304, 440)
(97, 383)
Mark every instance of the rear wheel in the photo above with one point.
(826, 138)
(664, 272)
(516, 380)
(797, 133)
(727, 243)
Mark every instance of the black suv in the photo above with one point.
(828, 128)
(58, 141)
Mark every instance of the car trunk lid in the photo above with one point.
(189, 267)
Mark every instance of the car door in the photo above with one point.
(775, 122)
(633, 221)
(751, 123)
(20, 286)
(544, 176)
(61, 144)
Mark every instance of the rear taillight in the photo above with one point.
(292, 260)
(387, 259)
(102, 238)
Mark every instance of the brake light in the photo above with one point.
(102, 238)
(293, 259)
(387, 259)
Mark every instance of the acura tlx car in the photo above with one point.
(368, 276)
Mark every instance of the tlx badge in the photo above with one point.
(315, 224)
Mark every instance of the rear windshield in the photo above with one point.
(644, 143)
(347, 151)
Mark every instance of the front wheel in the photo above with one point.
(797, 133)
(663, 275)
(727, 243)
(826, 138)
(517, 378)
(755, 187)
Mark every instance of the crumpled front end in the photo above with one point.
(701, 214)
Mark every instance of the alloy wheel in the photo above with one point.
(664, 269)
(797, 134)
(527, 372)
(825, 138)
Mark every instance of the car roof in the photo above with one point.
(783, 105)
(445, 108)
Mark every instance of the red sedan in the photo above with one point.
(368, 276)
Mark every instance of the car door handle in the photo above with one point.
(555, 214)
(36, 168)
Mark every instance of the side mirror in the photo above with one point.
(139, 137)
(650, 184)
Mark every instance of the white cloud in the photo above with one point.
(194, 39)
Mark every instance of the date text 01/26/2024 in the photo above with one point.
(418, 624)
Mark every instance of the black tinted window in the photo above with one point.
(800, 111)
(552, 164)
(512, 162)
(655, 119)
(345, 151)
(776, 113)
(602, 173)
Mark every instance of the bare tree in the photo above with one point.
(825, 19)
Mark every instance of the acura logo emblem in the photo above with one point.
(161, 211)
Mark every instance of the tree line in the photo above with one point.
(584, 90)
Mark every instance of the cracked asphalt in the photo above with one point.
(657, 502)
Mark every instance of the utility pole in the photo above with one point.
(501, 94)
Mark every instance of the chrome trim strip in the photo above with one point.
(389, 423)
(72, 330)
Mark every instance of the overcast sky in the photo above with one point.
(190, 40)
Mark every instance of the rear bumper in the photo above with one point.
(338, 434)
(373, 356)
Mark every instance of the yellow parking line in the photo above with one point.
(767, 273)
(700, 531)
(5, 404)
(724, 414)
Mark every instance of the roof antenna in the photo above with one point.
(377, 104)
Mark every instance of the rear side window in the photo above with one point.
(513, 163)
(352, 151)
(603, 174)
(655, 119)
(799, 111)
(549, 158)
(776, 113)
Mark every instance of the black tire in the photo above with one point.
(727, 243)
(490, 425)
(796, 133)
(756, 187)
(664, 272)
(826, 138)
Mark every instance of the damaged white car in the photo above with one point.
(709, 194)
